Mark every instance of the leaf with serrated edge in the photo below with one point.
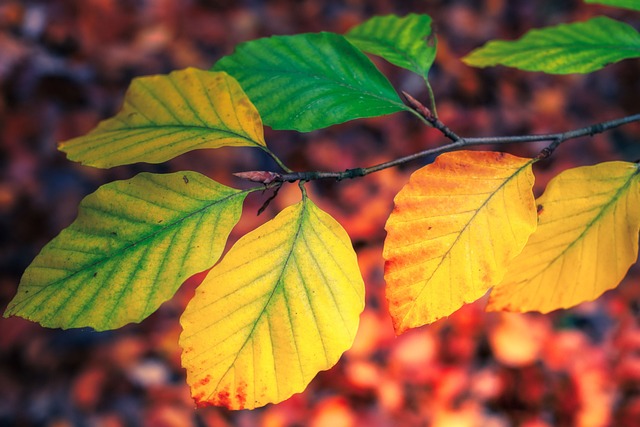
(133, 244)
(281, 306)
(627, 4)
(453, 230)
(167, 115)
(580, 47)
(407, 41)
(310, 81)
(587, 238)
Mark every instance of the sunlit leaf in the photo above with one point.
(407, 42)
(454, 228)
(310, 81)
(167, 115)
(580, 47)
(627, 4)
(133, 244)
(587, 238)
(283, 304)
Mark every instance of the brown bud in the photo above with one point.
(265, 177)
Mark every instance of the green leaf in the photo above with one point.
(134, 242)
(310, 81)
(167, 115)
(567, 48)
(627, 4)
(407, 42)
(281, 306)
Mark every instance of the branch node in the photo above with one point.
(597, 128)
(353, 173)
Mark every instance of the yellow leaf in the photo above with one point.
(283, 305)
(587, 238)
(167, 115)
(454, 228)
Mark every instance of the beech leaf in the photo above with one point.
(453, 230)
(407, 42)
(167, 115)
(627, 4)
(587, 238)
(281, 306)
(133, 244)
(310, 81)
(580, 47)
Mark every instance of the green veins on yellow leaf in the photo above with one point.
(587, 238)
(454, 228)
(133, 244)
(281, 306)
(167, 115)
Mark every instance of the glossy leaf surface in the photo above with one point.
(407, 42)
(133, 244)
(281, 306)
(164, 116)
(453, 230)
(580, 47)
(587, 238)
(310, 81)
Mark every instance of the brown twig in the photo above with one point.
(456, 144)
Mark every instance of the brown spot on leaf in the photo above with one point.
(206, 380)
(223, 398)
(243, 103)
(200, 400)
(241, 394)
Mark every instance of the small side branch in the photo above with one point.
(431, 118)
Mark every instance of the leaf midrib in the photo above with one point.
(279, 284)
(604, 211)
(466, 226)
(279, 73)
(176, 126)
(122, 251)
(585, 46)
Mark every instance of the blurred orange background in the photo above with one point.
(65, 65)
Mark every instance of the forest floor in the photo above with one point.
(65, 65)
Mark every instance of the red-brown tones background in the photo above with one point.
(65, 64)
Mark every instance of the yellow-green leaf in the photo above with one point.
(167, 115)
(133, 244)
(579, 47)
(587, 238)
(453, 230)
(281, 306)
(627, 4)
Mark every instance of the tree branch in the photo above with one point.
(457, 144)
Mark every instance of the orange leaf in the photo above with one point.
(454, 228)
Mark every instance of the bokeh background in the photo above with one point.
(65, 65)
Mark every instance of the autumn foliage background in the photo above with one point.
(65, 64)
